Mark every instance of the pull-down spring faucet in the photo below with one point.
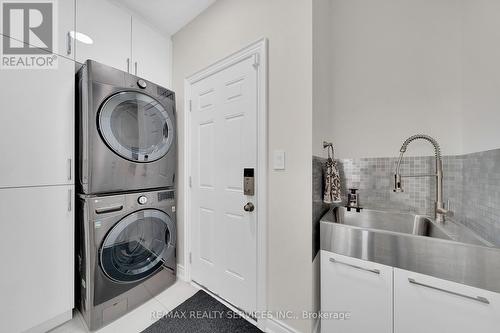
(440, 211)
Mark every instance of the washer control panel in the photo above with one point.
(142, 200)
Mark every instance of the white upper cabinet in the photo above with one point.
(66, 24)
(37, 126)
(62, 24)
(427, 304)
(109, 27)
(150, 54)
(122, 41)
(360, 289)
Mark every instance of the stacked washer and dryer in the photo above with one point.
(126, 229)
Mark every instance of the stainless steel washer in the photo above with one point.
(126, 252)
(127, 132)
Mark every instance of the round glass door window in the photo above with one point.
(137, 246)
(136, 126)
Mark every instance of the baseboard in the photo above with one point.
(276, 326)
(52, 323)
(181, 273)
(316, 326)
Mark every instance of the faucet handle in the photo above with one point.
(398, 185)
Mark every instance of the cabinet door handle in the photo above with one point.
(474, 298)
(70, 199)
(375, 271)
(135, 65)
(69, 40)
(128, 65)
(70, 176)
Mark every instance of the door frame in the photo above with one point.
(259, 51)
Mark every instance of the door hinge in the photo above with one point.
(190, 181)
(190, 258)
(190, 105)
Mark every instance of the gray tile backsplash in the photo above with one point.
(471, 184)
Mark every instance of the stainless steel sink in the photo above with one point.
(415, 243)
(388, 221)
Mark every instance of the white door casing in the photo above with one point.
(226, 131)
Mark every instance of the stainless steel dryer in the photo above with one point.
(127, 132)
(125, 252)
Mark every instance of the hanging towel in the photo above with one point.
(332, 182)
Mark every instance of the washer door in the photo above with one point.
(136, 126)
(137, 246)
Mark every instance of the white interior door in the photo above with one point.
(224, 143)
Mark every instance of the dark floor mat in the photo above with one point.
(202, 314)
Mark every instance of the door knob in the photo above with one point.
(249, 207)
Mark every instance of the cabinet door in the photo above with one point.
(151, 54)
(62, 24)
(36, 284)
(37, 126)
(427, 304)
(360, 289)
(109, 26)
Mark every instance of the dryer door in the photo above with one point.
(138, 245)
(136, 126)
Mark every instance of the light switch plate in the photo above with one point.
(279, 160)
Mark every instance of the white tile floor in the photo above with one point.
(140, 318)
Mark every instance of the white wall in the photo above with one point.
(396, 71)
(224, 28)
(322, 78)
(399, 67)
(481, 75)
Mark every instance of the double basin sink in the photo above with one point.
(412, 242)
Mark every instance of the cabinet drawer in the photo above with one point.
(358, 289)
(427, 304)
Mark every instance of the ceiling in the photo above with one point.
(167, 15)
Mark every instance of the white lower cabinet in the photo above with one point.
(36, 284)
(427, 304)
(360, 289)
